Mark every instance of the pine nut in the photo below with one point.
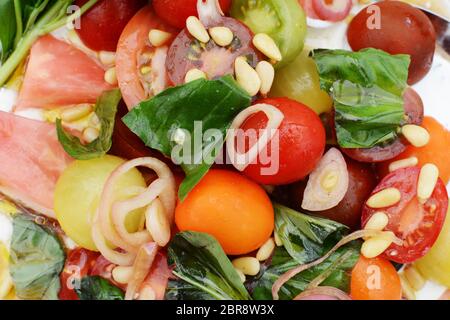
(403, 163)
(428, 177)
(414, 278)
(157, 223)
(241, 275)
(222, 36)
(378, 221)
(94, 121)
(248, 265)
(122, 274)
(90, 134)
(246, 76)
(158, 37)
(197, 29)
(194, 74)
(146, 70)
(416, 135)
(266, 74)
(107, 58)
(266, 250)
(110, 76)
(277, 239)
(267, 46)
(375, 246)
(385, 198)
(76, 113)
(147, 293)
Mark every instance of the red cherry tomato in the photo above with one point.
(332, 10)
(79, 263)
(175, 12)
(301, 143)
(402, 29)
(135, 54)
(102, 25)
(418, 225)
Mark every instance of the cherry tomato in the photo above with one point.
(102, 25)
(79, 263)
(332, 10)
(140, 67)
(175, 12)
(437, 151)
(401, 29)
(375, 279)
(413, 106)
(418, 225)
(228, 206)
(301, 143)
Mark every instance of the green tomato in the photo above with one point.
(78, 192)
(283, 20)
(300, 81)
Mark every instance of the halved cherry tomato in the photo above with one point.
(141, 69)
(418, 225)
(175, 12)
(102, 25)
(413, 106)
(332, 10)
(301, 143)
(375, 279)
(79, 263)
(230, 207)
(401, 27)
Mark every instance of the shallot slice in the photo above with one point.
(328, 183)
(241, 161)
(209, 12)
(323, 293)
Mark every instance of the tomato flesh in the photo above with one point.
(418, 225)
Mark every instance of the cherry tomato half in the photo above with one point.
(175, 12)
(102, 25)
(397, 28)
(418, 225)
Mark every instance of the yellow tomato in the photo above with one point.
(78, 192)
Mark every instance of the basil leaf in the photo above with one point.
(203, 269)
(367, 88)
(190, 111)
(97, 288)
(37, 259)
(7, 28)
(106, 110)
(306, 238)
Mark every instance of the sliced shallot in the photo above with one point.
(209, 12)
(157, 223)
(327, 184)
(323, 293)
(241, 161)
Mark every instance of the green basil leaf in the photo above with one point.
(106, 110)
(7, 28)
(37, 259)
(306, 238)
(97, 288)
(203, 269)
(367, 88)
(191, 110)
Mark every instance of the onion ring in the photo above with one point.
(209, 12)
(319, 292)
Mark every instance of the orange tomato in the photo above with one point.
(437, 151)
(375, 279)
(228, 206)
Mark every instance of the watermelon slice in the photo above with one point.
(31, 161)
(58, 74)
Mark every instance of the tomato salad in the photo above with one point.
(230, 150)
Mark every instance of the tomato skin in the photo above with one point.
(228, 206)
(377, 272)
(403, 27)
(102, 25)
(416, 224)
(175, 12)
(79, 263)
(301, 142)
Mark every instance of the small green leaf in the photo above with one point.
(7, 28)
(97, 288)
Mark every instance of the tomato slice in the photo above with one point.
(187, 53)
(418, 225)
(134, 52)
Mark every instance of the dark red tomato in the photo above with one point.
(79, 263)
(187, 53)
(418, 225)
(402, 29)
(301, 143)
(102, 25)
(175, 12)
(413, 106)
